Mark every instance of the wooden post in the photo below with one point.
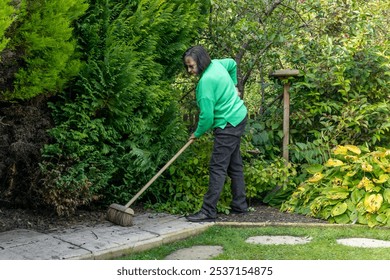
(286, 119)
(284, 75)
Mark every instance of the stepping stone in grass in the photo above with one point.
(278, 240)
(364, 242)
(196, 253)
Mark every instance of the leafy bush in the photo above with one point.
(267, 175)
(353, 186)
(271, 181)
(266, 134)
(345, 83)
(187, 181)
(74, 174)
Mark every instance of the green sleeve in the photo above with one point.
(231, 66)
(206, 116)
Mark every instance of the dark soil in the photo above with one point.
(23, 133)
(261, 213)
(46, 221)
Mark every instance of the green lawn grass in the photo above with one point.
(323, 245)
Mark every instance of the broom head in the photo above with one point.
(120, 215)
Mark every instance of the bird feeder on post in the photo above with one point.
(284, 76)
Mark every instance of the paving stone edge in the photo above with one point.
(145, 244)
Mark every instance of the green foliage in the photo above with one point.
(343, 96)
(270, 181)
(6, 19)
(120, 121)
(44, 36)
(265, 134)
(311, 152)
(73, 174)
(188, 179)
(267, 175)
(351, 187)
(245, 30)
(117, 118)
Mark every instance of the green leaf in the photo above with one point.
(342, 219)
(353, 216)
(372, 220)
(336, 193)
(382, 218)
(386, 195)
(339, 209)
(357, 195)
(315, 168)
(362, 219)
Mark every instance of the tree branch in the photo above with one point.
(274, 5)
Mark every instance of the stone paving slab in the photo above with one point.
(31, 245)
(99, 239)
(167, 224)
(104, 241)
(20, 237)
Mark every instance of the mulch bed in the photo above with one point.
(46, 221)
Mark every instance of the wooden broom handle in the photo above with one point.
(160, 172)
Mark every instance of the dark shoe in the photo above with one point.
(200, 217)
(238, 212)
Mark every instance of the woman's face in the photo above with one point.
(192, 67)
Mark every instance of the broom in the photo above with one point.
(122, 214)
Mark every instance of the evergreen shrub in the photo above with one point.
(44, 39)
(6, 18)
(120, 122)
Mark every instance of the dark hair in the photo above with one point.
(200, 56)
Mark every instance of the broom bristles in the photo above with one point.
(120, 217)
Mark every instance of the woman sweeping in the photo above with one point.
(223, 111)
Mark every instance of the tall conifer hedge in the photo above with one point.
(6, 18)
(119, 121)
(42, 46)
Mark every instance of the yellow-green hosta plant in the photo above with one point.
(353, 186)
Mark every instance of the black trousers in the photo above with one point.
(226, 160)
